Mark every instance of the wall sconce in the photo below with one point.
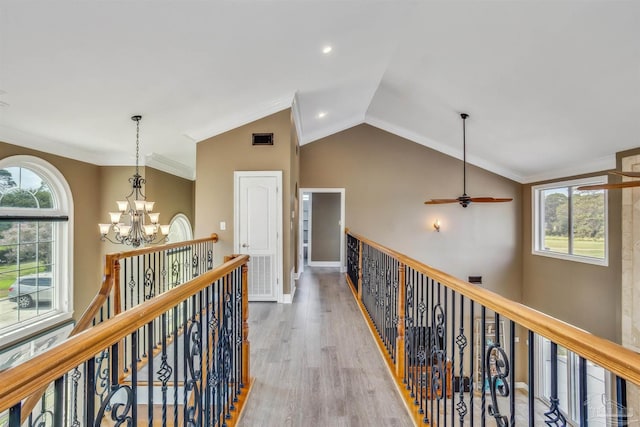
(436, 225)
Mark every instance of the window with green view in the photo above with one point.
(571, 223)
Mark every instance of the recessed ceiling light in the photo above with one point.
(321, 114)
(327, 49)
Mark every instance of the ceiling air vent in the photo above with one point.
(262, 139)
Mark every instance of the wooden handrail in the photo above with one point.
(157, 248)
(607, 354)
(25, 379)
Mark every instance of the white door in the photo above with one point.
(257, 231)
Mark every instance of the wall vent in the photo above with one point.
(476, 280)
(262, 139)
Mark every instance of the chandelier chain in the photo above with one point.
(137, 142)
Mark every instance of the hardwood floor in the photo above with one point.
(315, 362)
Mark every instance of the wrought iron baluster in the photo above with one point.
(134, 379)
(75, 384)
(621, 401)
(193, 376)
(472, 358)
(113, 403)
(512, 378)
(498, 369)
(531, 377)
(175, 343)
(150, 371)
(484, 377)
(554, 417)
(90, 391)
(461, 342)
(582, 393)
(165, 370)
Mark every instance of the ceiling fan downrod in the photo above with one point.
(464, 156)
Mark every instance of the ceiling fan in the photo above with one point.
(617, 185)
(465, 200)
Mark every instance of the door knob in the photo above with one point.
(244, 245)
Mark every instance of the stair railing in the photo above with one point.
(196, 375)
(131, 277)
(463, 355)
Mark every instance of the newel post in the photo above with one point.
(400, 341)
(360, 269)
(245, 326)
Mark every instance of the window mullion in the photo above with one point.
(570, 220)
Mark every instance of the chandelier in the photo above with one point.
(130, 224)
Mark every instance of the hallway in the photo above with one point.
(315, 362)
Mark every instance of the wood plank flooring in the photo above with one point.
(315, 362)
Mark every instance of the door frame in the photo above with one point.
(279, 235)
(300, 254)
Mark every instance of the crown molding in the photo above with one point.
(443, 148)
(331, 130)
(170, 166)
(236, 120)
(55, 147)
(595, 165)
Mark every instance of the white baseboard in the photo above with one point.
(288, 298)
(522, 385)
(324, 263)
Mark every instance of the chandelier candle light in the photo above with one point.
(129, 223)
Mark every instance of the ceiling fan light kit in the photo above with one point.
(465, 200)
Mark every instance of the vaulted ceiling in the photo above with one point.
(552, 87)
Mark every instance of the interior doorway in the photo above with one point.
(321, 228)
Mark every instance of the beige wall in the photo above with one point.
(172, 194)
(84, 181)
(325, 227)
(585, 295)
(216, 160)
(387, 179)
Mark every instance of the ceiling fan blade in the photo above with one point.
(627, 174)
(440, 201)
(490, 199)
(615, 186)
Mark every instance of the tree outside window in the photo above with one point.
(570, 222)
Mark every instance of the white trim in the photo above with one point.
(588, 166)
(63, 268)
(170, 166)
(332, 130)
(279, 226)
(522, 385)
(442, 148)
(535, 215)
(297, 116)
(342, 261)
(227, 123)
(288, 298)
(182, 221)
(324, 263)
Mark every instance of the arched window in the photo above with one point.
(36, 286)
(180, 229)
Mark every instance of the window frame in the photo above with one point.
(63, 247)
(182, 221)
(537, 216)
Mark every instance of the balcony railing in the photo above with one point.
(178, 355)
(462, 355)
